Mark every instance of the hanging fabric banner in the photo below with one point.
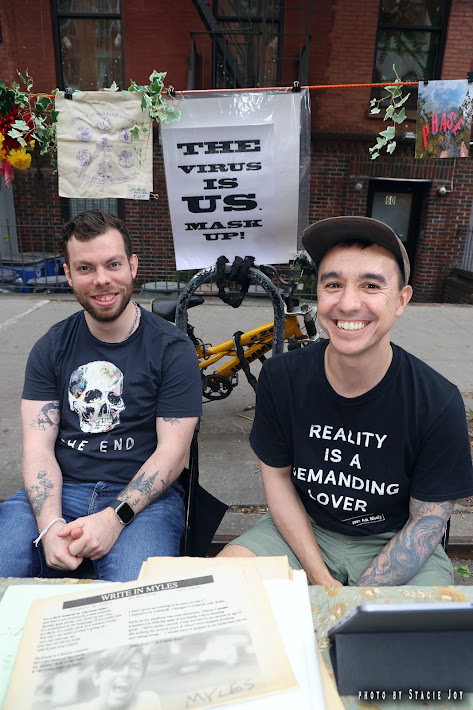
(233, 168)
(98, 155)
(444, 111)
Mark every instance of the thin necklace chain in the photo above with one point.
(133, 327)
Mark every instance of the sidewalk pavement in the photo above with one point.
(440, 334)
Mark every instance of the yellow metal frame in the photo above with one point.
(255, 343)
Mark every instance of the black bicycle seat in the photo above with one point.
(166, 307)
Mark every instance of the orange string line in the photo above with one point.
(290, 88)
(284, 88)
(357, 86)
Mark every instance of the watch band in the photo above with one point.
(123, 511)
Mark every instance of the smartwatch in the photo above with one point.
(124, 512)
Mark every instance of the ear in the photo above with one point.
(68, 275)
(405, 296)
(133, 265)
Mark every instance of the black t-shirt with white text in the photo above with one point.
(357, 461)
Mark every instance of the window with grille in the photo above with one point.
(250, 54)
(411, 36)
(89, 43)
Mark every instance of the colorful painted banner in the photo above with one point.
(444, 110)
(98, 156)
(232, 167)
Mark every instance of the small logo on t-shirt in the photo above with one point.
(365, 519)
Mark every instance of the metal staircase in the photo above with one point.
(250, 43)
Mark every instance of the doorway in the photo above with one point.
(398, 203)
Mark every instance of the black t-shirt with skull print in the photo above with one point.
(111, 393)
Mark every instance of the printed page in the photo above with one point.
(173, 642)
(290, 603)
(14, 609)
(291, 606)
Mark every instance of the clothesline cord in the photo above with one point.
(286, 88)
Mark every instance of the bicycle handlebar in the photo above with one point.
(308, 269)
(258, 277)
(261, 275)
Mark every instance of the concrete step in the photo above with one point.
(461, 527)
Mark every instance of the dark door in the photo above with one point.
(398, 204)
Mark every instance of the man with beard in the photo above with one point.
(101, 474)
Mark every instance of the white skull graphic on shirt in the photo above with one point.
(95, 394)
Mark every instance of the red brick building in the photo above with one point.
(89, 43)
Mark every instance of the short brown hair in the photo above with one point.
(90, 224)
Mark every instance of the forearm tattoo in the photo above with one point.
(48, 418)
(39, 493)
(405, 554)
(144, 486)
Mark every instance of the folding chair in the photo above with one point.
(203, 512)
(446, 535)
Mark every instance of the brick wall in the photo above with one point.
(338, 164)
(459, 287)
(342, 51)
(335, 168)
(39, 219)
(157, 36)
(27, 42)
(37, 207)
(458, 55)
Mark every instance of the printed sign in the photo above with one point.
(98, 156)
(444, 111)
(232, 175)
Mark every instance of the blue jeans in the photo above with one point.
(155, 532)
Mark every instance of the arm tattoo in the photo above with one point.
(172, 420)
(39, 493)
(48, 417)
(142, 486)
(405, 553)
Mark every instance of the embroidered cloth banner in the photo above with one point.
(98, 156)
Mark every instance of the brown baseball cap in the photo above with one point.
(321, 236)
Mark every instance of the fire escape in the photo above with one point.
(250, 43)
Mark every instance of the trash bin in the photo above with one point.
(162, 288)
(49, 284)
(10, 282)
(53, 264)
(27, 267)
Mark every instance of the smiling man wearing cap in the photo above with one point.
(363, 448)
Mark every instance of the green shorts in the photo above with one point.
(346, 557)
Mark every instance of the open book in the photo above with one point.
(189, 633)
